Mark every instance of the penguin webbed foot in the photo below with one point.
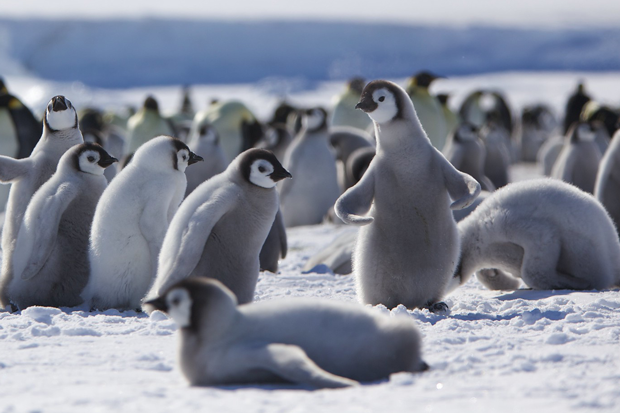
(438, 307)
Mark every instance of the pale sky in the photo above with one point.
(520, 13)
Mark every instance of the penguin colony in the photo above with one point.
(162, 234)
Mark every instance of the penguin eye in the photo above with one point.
(185, 157)
(91, 159)
(382, 98)
(261, 169)
(176, 301)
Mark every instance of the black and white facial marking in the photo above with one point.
(382, 101)
(466, 132)
(182, 157)
(208, 133)
(272, 137)
(314, 119)
(584, 133)
(179, 306)
(60, 114)
(93, 159)
(262, 168)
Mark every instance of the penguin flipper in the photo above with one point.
(279, 223)
(462, 188)
(11, 168)
(291, 363)
(357, 200)
(37, 235)
(182, 256)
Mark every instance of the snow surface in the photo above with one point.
(552, 351)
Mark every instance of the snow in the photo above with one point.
(555, 351)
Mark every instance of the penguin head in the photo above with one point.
(3, 89)
(424, 79)
(261, 168)
(207, 133)
(60, 114)
(164, 151)
(466, 132)
(314, 119)
(192, 299)
(443, 98)
(356, 84)
(91, 158)
(150, 103)
(383, 101)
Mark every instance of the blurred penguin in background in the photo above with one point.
(428, 108)
(277, 138)
(344, 112)
(452, 119)
(146, 124)
(498, 151)
(466, 152)
(111, 137)
(578, 161)
(607, 187)
(537, 125)
(574, 106)
(480, 104)
(182, 119)
(607, 116)
(19, 132)
(235, 124)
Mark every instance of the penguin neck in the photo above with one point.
(401, 134)
(470, 248)
(57, 143)
(214, 323)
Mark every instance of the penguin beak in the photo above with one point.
(279, 174)
(59, 104)
(105, 162)
(193, 158)
(366, 104)
(157, 304)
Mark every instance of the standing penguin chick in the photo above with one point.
(206, 143)
(408, 249)
(60, 132)
(50, 263)
(544, 231)
(308, 342)
(465, 150)
(607, 188)
(221, 227)
(131, 220)
(578, 161)
(306, 199)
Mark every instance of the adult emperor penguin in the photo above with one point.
(131, 220)
(221, 227)
(574, 106)
(428, 108)
(306, 199)
(50, 263)
(465, 150)
(607, 187)
(344, 113)
(19, 132)
(206, 143)
(451, 118)
(408, 248)
(146, 124)
(545, 232)
(60, 132)
(309, 342)
(578, 161)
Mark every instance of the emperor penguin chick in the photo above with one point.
(465, 150)
(409, 246)
(309, 342)
(221, 227)
(60, 132)
(206, 142)
(131, 220)
(545, 232)
(50, 262)
(306, 199)
(578, 161)
(607, 188)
